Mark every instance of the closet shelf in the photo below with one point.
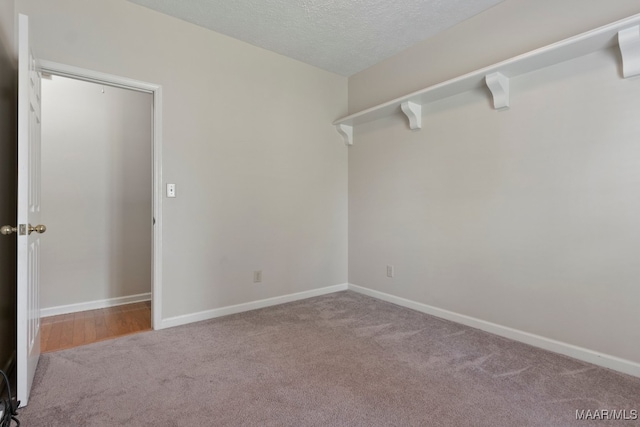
(624, 33)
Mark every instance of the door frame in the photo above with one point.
(155, 90)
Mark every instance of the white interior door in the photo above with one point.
(28, 308)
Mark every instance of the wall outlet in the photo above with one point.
(171, 190)
(389, 270)
(257, 276)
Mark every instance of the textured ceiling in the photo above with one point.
(342, 36)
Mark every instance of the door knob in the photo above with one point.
(7, 229)
(38, 229)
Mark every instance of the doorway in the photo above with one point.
(107, 245)
(97, 204)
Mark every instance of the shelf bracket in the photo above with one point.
(413, 111)
(499, 86)
(629, 42)
(347, 133)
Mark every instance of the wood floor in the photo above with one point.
(76, 329)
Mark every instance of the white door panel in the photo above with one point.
(28, 242)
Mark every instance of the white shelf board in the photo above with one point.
(573, 47)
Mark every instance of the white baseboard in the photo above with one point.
(93, 305)
(580, 353)
(253, 305)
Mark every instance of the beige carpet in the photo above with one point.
(338, 360)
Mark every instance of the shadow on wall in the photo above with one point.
(8, 195)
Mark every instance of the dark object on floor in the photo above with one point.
(7, 406)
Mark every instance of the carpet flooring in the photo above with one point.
(342, 359)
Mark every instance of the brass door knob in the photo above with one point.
(7, 229)
(38, 229)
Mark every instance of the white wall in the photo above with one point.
(247, 137)
(525, 218)
(96, 192)
(7, 28)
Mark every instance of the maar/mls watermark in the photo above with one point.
(607, 414)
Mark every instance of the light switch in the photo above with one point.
(171, 190)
